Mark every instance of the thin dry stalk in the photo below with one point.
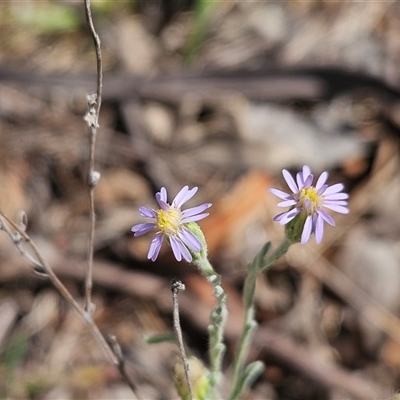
(37, 260)
(176, 287)
(92, 118)
(40, 265)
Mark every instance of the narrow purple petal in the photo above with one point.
(195, 218)
(142, 229)
(287, 203)
(300, 180)
(326, 217)
(336, 202)
(161, 202)
(175, 248)
(305, 236)
(184, 251)
(339, 209)
(155, 247)
(304, 178)
(289, 216)
(321, 181)
(336, 196)
(186, 255)
(179, 249)
(322, 189)
(163, 194)
(334, 189)
(190, 239)
(290, 181)
(308, 181)
(180, 195)
(147, 212)
(306, 171)
(279, 216)
(319, 229)
(195, 210)
(183, 196)
(280, 194)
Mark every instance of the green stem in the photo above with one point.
(280, 251)
(218, 320)
(259, 264)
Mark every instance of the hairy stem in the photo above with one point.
(218, 321)
(259, 264)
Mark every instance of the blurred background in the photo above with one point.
(221, 95)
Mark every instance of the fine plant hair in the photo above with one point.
(18, 235)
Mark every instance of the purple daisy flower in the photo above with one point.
(170, 222)
(309, 200)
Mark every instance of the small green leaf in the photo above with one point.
(251, 373)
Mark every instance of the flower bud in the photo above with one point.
(195, 229)
(198, 377)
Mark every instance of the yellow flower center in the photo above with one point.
(310, 200)
(169, 221)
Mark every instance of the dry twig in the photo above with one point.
(176, 287)
(92, 118)
(41, 266)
